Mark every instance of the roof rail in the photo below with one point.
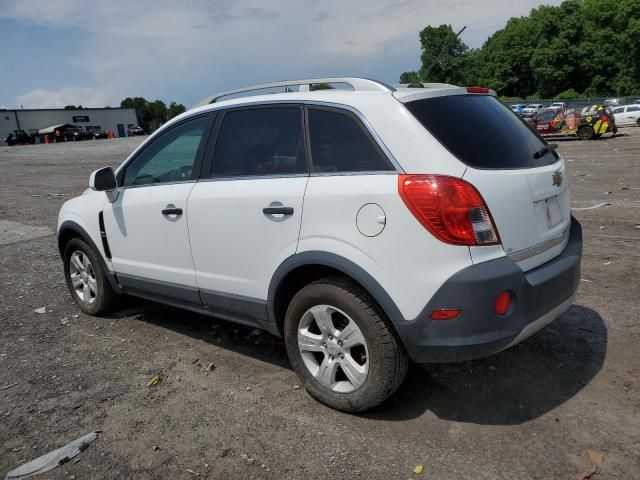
(358, 84)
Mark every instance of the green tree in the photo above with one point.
(152, 114)
(443, 55)
(175, 109)
(589, 46)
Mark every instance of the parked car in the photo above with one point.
(135, 130)
(587, 123)
(74, 134)
(468, 254)
(612, 102)
(518, 107)
(627, 115)
(99, 134)
(558, 106)
(532, 108)
(19, 137)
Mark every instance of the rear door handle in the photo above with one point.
(278, 210)
(172, 211)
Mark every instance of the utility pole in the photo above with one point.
(437, 57)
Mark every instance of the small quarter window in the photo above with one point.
(170, 158)
(259, 142)
(339, 144)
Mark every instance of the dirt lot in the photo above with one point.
(528, 413)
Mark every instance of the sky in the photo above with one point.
(60, 52)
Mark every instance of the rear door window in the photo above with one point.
(339, 143)
(260, 142)
(481, 132)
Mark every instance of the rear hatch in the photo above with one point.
(521, 178)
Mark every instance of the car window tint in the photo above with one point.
(339, 144)
(481, 132)
(170, 157)
(547, 116)
(260, 141)
(633, 109)
(618, 110)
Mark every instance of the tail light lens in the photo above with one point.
(477, 90)
(450, 208)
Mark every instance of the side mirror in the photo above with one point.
(103, 180)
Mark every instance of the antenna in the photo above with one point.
(437, 57)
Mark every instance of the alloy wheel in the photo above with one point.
(333, 348)
(83, 277)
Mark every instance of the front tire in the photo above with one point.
(86, 279)
(341, 346)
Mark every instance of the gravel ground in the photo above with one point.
(530, 412)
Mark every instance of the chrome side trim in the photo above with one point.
(541, 248)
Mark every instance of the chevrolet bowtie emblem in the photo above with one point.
(557, 178)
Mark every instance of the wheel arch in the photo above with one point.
(303, 268)
(69, 230)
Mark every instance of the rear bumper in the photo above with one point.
(539, 296)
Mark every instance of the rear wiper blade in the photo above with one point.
(544, 150)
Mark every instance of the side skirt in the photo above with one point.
(237, 309)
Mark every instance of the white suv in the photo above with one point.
(367, 227)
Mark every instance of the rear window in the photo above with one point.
(481, 132)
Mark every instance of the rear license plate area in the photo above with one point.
(553, 211)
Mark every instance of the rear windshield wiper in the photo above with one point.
(544, 150)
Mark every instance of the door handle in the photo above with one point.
(172, 211)
(278, 210)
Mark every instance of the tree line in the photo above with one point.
(152, 114)
(579, 48)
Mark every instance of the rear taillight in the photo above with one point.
(450, 208)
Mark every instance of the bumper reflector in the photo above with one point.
(503, 302)
(445, 314)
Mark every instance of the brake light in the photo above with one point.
(604, 118)
(450, 208)
(477, 90)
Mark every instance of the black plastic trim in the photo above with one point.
(133, 285)
(341, 264)
(235, 306)
(479, 331)
(103, 236)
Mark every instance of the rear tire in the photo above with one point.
(586, 133)
(86, 280)
(341, 346)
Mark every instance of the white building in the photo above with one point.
(31, 120)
